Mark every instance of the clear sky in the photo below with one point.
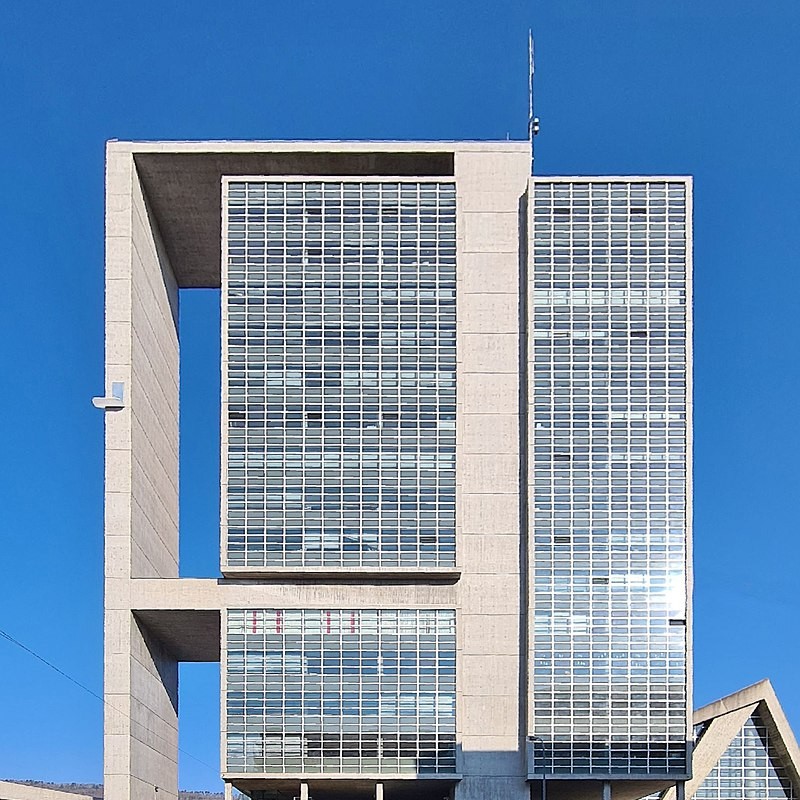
(706, 87)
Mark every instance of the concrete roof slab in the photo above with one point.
(182, 182)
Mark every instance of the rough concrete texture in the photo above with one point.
(490, 188)
(163, 232)
(182, 180)
(142, 453)
(141, 678)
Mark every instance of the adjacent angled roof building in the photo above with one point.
(744, 749)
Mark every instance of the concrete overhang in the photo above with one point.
(188, 634)
(421, 786)
(183, 614)
(384, 575)
(182, 182)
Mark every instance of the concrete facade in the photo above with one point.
(141, 484)
(162, 235)
(489, 594)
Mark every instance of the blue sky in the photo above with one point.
(704, 87)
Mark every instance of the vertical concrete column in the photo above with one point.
(489, 188)
(141, 489)
(378, 791)
(154, 397)
(303, 791)
(606, 790)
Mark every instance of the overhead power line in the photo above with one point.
(38, 657)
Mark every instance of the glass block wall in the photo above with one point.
(750, 769)
(339, 353)
(353, 691)
(608, 468)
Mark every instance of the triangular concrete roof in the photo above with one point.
(724, 719)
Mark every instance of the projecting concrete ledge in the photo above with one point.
(343, 776)
(395, 575)
(182, 181)
(184, 614)
(209, 594)
(360, 786)
(186, 635)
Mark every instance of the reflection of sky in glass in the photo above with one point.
(750, 769)
(676, 594)
(339, 335)
(340, 691)
(608, 395)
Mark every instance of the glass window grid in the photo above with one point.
(608, 456)
(750, 769)
(340, 374)
(340, 691)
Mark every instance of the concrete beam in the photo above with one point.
(182, 181)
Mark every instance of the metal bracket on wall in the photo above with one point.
(113, 402)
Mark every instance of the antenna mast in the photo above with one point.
(533, 122)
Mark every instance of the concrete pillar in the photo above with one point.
(141, 490)
(491, 699)
(680, 790)
(606, 790)
(378, 791)
(303, 791)
(141, 714)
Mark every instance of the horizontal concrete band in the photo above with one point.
(182, 181)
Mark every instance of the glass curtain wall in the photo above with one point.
(339, 349)
(341, 691)
(608, 431)
(750, 769)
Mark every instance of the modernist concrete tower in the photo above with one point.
(455, 471)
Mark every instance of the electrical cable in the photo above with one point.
(10, 638)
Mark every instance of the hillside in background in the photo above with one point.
(96, 790)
